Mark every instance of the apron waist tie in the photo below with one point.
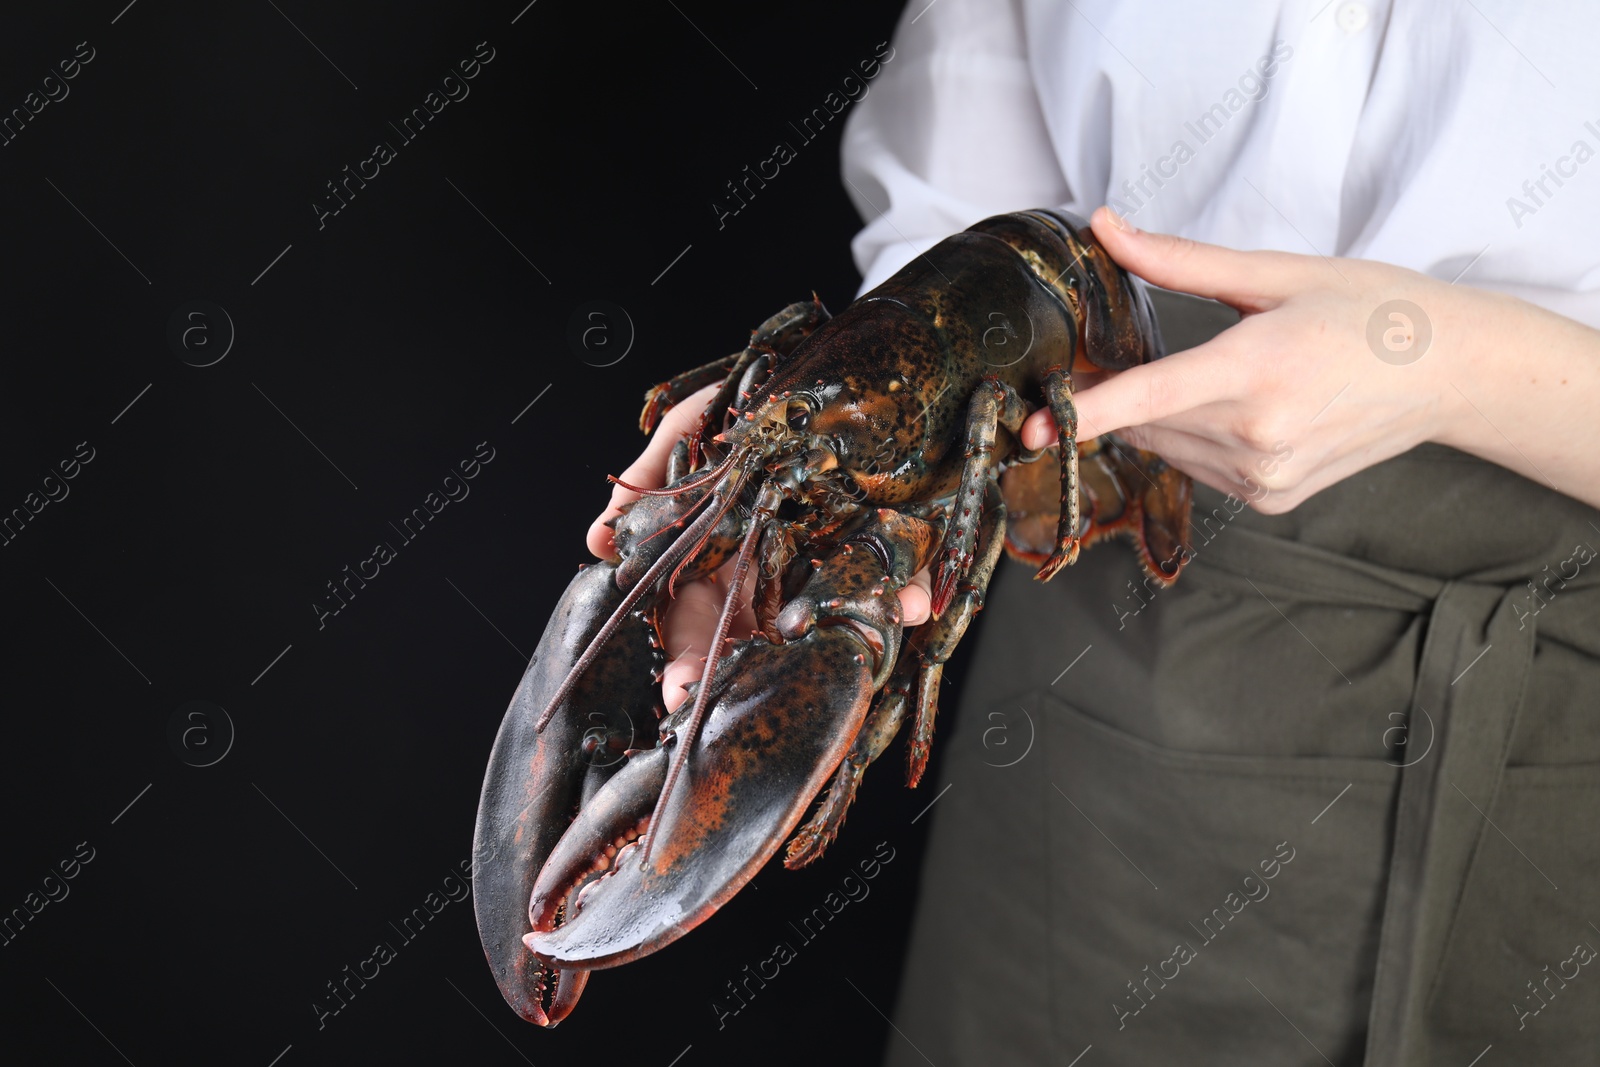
(1470, 682)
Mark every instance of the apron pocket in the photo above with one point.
(1513, 970)
(1195, 893)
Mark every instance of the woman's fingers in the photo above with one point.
(649, 471)
(1248, 281)
(691, 622)
(1040, 430)
(916, 600)
(1149, 393)
(689, 625)
(679, 675)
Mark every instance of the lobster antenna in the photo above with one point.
(686, 542)
(680, 488)
(760, 516)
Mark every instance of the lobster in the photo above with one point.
(839, 457)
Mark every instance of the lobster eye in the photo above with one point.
(799, 414)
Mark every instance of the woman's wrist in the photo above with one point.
(1465, 339)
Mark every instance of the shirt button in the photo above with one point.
(1352, 18)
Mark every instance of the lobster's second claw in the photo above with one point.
(775, 733)
(536, 779)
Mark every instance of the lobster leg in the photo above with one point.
(916, 680)
(779, 334)
(661, 398)
(759, 371)
(812, 839)
(932, 645)
(783, 332)
(777, 337)
(677, 463)
(777, 551)
(1058, 390)
(995, 404)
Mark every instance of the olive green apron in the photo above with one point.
(1332, 798)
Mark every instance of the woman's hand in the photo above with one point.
(1294, 398)
(691, 619)
(1289, 401)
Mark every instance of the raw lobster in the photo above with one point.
(838, 458)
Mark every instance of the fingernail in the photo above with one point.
(1125, 225)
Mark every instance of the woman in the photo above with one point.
(1336, 795)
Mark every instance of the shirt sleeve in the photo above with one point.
(950, 132)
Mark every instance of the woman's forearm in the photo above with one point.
(1523, 390)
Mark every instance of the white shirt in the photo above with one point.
(1444, 137)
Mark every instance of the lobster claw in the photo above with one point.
(781, 718)
(537, 779)
(774, 735)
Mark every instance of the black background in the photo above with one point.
(190, 550)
